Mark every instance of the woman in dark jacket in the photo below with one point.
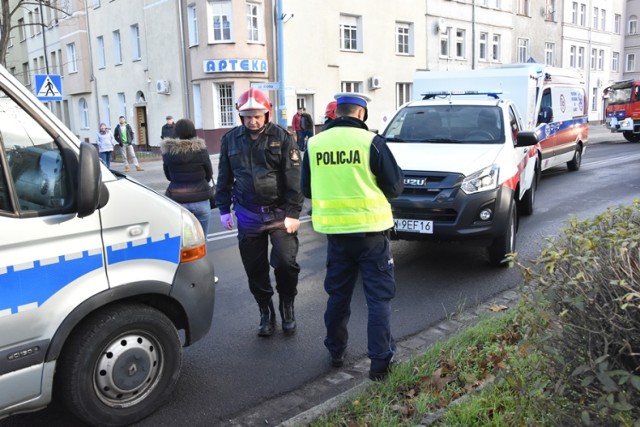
(187, 166)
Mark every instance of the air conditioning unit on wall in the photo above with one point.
(163, 86)
(375, 82)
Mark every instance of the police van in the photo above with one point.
(98, 274)
(470, 170)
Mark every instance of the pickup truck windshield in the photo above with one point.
(443, 124)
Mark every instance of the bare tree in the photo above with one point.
(10, 9)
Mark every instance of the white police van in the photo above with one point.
(469, 170)
(97, 275)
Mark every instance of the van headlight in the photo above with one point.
(193, 241)
(483, 180)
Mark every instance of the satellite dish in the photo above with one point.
(442, 25)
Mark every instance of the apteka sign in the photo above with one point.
(237, 65)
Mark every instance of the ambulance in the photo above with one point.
(552, 102)
(98, 274)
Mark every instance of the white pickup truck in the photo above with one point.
(470, 170)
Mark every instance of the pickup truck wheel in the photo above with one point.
(506, 243)
(631, 137)
(120, 365)
(528, 199)
(575, 163)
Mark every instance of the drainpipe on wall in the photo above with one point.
(186, 99)
(94, 80)
(282, 103)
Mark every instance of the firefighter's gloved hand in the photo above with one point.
(291, 224)
(227, 221)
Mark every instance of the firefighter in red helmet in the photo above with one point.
(259, 176)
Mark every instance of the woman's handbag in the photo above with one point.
(212, 194)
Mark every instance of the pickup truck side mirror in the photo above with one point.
(545, 115)
(526, 139)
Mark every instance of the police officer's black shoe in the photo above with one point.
(288, 315)
(267, 319)
(380, 371)
(337, 360)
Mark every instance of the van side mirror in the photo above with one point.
(89, 180)
(526, 139)
(545, 115)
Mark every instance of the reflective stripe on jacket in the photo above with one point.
(346, 197)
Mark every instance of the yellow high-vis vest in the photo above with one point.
(345, 196)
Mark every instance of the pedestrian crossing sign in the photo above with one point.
(49, 87)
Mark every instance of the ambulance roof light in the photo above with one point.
(445, 93)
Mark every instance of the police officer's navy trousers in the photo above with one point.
(369, 254)
(254, 232)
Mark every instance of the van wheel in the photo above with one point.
(575, 163)
(505, 244)
(120, 365)
(631, 137)
(528, 200)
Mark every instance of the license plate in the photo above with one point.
(414, 226)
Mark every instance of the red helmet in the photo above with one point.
(330, 111)
(253, 101)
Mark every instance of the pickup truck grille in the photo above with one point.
(428, 195)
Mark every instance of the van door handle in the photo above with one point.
(135, 231)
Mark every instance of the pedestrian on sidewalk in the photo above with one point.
(350, 206)
(124, 136)
(259, 173)
(106, 143)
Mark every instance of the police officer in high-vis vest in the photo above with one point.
(349, 173)
(259, 173)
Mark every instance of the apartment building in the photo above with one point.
(145, 59)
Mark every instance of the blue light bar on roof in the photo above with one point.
(434, 93)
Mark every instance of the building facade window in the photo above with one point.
(523, 7)
(617, 23)
(117, 47)
(482, 48)
(100, 52)
(615, 61)
(583, 15)
(72, 59)
(26, 74)
(351, 86)
(550, 10)
(549, 53)
(594, 55)
(603, 20)
(630, 63)
(253, 22)
(192, 24)
(350, 33)
(460, 43)
(197, 106)
(601, 59)
(220, 21)
(403, 93)
(444, 44)
(84, 113)
(574, 13)
(596, 18)
(633, 24)
(496, 48)
(106, 110)
(135, 42)
(581, 57)
(594, 99)
(523, 50)
(225, 101)
(572, 56)
(404, 38)
(122, 104)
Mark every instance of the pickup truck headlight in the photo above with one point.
(483, 180)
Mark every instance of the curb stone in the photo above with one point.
(329, 392)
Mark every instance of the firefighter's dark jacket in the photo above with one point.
(261, 173)
(383, 165)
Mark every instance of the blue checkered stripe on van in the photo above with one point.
(29, 285)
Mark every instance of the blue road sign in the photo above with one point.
(49, 87)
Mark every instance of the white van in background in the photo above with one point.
(97, 275)
(552, 102)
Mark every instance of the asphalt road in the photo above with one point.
(233, 377)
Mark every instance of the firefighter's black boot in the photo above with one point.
(267, 319)
(288, 315)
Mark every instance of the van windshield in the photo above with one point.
(465, 124)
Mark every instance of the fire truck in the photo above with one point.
(623, 109)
